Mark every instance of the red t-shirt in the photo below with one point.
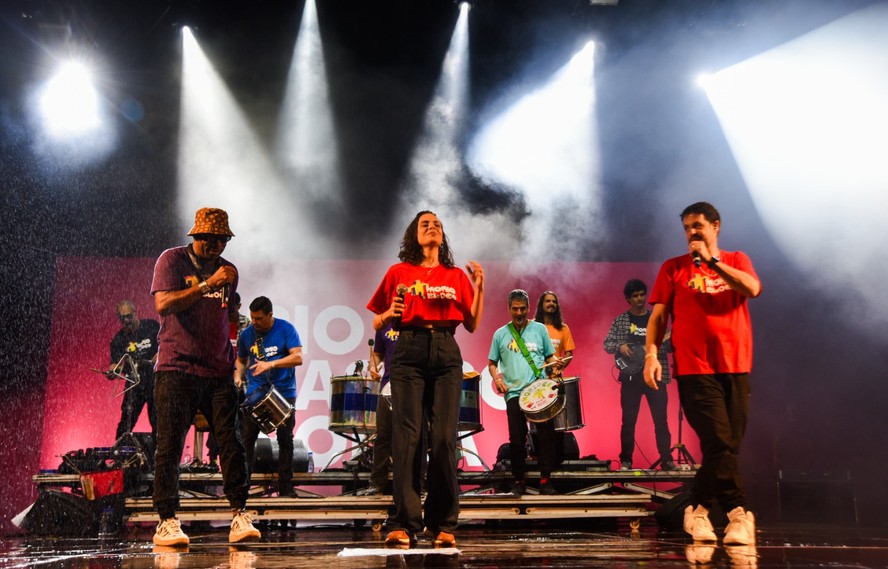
(433, 295)
(711, 330)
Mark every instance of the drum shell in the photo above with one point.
(469, 405)
(554, 403)
(353, 402)
(571, 418)
(269, 409)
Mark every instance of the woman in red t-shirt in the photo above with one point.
(426, 297)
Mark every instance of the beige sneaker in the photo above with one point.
(169, 532)
(699, 553)
(242, 528)
(696, 523)
(741, 527)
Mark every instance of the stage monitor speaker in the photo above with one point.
(266, 452)
(70, 515)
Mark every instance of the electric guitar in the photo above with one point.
(633, 364)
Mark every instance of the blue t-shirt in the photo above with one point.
(276, 344)
(384, 343)
(517, 373)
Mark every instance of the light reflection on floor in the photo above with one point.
(483, 545)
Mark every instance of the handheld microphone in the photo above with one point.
(226, 294)
(697, 259)
(400, 291)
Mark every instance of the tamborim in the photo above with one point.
(540, 400)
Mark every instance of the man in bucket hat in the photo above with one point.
(191, 288)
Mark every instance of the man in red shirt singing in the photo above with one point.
(706, 293)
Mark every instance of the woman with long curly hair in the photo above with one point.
(426, 296)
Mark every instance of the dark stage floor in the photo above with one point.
(608, 544)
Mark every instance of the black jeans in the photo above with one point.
(426, 376)
(134, 400)
(178, 397)
(633, 388)
(548, 442)
(250, 432)
(717, 408)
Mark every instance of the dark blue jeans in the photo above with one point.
(717, 408)
(426, 376)
(178, 396)
(633, 388)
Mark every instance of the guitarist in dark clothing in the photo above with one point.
(625, 340)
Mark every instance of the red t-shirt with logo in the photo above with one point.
(711, 329)
(435, 295)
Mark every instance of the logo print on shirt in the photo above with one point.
(392, 335)
(432, 292)
(706, 285)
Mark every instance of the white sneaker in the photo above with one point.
(742, 555)
(741, 527)
(699, 553)
(696, 523)
(242, 528)
(169, 532)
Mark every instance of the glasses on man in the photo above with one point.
(208, 237)
(126, 317)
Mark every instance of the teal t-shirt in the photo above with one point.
(517, 373)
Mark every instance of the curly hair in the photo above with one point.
(411, 251)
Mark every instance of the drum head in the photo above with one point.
(538, 396)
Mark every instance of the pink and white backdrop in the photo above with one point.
(326, 301)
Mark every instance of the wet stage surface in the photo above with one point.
(487, 545)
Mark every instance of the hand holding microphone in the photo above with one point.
(398, 306)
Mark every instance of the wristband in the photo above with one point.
(204, 287)
(646, 356)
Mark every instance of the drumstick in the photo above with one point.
(561, 361)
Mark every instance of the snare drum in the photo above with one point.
(268, 408)
(571, 418)
(469, 408)
(353, 401)
(540, 400)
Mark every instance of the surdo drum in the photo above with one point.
(353, 401)
(540, 400)
(571, 418)
(469, 405)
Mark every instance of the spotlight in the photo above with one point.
(603, 2)
(465, 4)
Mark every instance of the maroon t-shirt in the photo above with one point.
(195, 340)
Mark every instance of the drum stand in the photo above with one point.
(462, 449)
(366, 458)
(682, 455)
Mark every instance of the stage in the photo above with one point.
(580, 543)
(335, 495)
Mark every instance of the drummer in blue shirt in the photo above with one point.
(524, 351)
(268, 350)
